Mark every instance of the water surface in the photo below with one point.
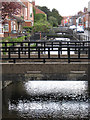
(51, 100)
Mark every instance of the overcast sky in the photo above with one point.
(65, 7)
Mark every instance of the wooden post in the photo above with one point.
(40, 35)
(68, 55)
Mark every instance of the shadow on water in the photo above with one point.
(46, 100)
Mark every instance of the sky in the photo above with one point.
(64, 7)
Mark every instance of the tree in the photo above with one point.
(39, 17)
(53, 13)
(56, 14)
(46, 10)
(53, 21)
(41, 26)
(10, 8)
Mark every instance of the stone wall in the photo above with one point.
(47, 71)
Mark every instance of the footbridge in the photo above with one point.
(46, 60)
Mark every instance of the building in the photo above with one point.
(89, 15)
(66, 21)
(14, 23)
(28, 13)
(37, 10)
(82, 18)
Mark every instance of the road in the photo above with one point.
(86, 32)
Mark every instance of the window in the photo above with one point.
(30, 11)
(6, 28)
(1, 28)
(25, 11)
(11, 26)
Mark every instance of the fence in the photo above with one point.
(67, 50)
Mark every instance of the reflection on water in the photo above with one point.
(51, 100)
(41, 87)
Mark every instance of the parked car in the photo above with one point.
(80, 29)
(13, 31)
(72, 27)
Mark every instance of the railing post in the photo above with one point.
(5, 46)
(79, 37)
(13, 47)
(28, 50)
(68, 55)
(9, 56)
(21, 47)
(39, 53)
(36, 45)
(14, 60)
(59, 52)
(60, 45)
(44, 47)
(79, 52)
(75, 46)
(89, 52)
(52, 45)
(83, 46)
(19, 52)
(48, 52)
(44, 60)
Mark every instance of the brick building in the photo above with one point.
(37, 10)
(28, 13)
(16, 22)
(82, 18)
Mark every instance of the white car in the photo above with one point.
(72, 27)
(80, 29)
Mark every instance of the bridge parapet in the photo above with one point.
(74, 50)
(47, 71)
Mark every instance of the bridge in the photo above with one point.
(61, 58)
(71, 51)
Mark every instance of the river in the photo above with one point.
(46, 100)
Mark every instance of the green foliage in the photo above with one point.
(53, 13)
(34, 12)
(32, 45)
(56, 14)
(9, 39)
(39, 17)
(46, 10)
(6, 39)
(28, 28)
(53, 21)
(40, 23)
(41, 27)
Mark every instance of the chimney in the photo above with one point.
(85, 9)
(33, 2)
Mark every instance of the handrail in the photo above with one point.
(44, 49)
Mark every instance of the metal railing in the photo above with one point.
(45, 50)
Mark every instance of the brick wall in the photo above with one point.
(38, 10)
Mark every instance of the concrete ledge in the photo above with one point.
(77, 72)
(33, 72)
